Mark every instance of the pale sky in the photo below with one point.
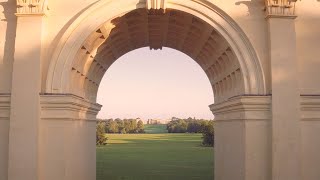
(155, 84)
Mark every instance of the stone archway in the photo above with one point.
(109, 29)
(95, 22)
(265, 129)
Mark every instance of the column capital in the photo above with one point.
(32, 7)
(280, 9)
(67, 107)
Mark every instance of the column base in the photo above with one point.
(67, 138)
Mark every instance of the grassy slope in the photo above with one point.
(154, 157)
(155, 129)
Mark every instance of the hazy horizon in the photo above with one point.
(155, 84)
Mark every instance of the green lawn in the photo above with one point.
(155, 128)
(154, 157)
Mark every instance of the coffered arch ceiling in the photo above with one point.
(108, 29)
(157, 29)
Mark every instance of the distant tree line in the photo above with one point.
(125, 126)
(119, 126)
(192, 125)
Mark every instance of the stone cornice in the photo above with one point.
(280, 8)
(310, 108)
(243, 108)
(67, 107)
(32, 8)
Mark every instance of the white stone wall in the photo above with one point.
(308, 46)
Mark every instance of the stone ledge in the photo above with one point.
(254, 108)
(310, 107)
(67, 107)
(30, 15)
(269, 16)
(5, 100)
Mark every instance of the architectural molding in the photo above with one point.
(32, 7)
(280, 8)
(4, 106)
(67, 107)
(243, 108)
(310, 108)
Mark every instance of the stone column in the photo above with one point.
(286, 142)
(242, 143)
(67, 137)
(25, 107)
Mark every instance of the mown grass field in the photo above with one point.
(154, 157)
(155, 129)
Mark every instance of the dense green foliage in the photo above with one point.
(192, 125)
(101, 139)
(189, 125)
(124, 126)
(208, 134)
(154, 157)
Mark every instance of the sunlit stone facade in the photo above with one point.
(261, 57)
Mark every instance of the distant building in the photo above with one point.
(153, 121)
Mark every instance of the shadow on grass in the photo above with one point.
(183, 139)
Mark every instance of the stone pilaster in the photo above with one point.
(286, 138)
(25, 99)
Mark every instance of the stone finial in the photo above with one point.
(156, 5)
(278, 8)
(31, 7)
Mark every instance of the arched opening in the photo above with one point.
(154, 87)
(109, 29)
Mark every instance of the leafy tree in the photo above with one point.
(101, 139)
(113, 127)
(208, 134)
(126, 123)
(140, 127)
(133, 126)
(123, 131)
(123, 126)
(190, 125)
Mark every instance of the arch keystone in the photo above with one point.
(156, 5)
